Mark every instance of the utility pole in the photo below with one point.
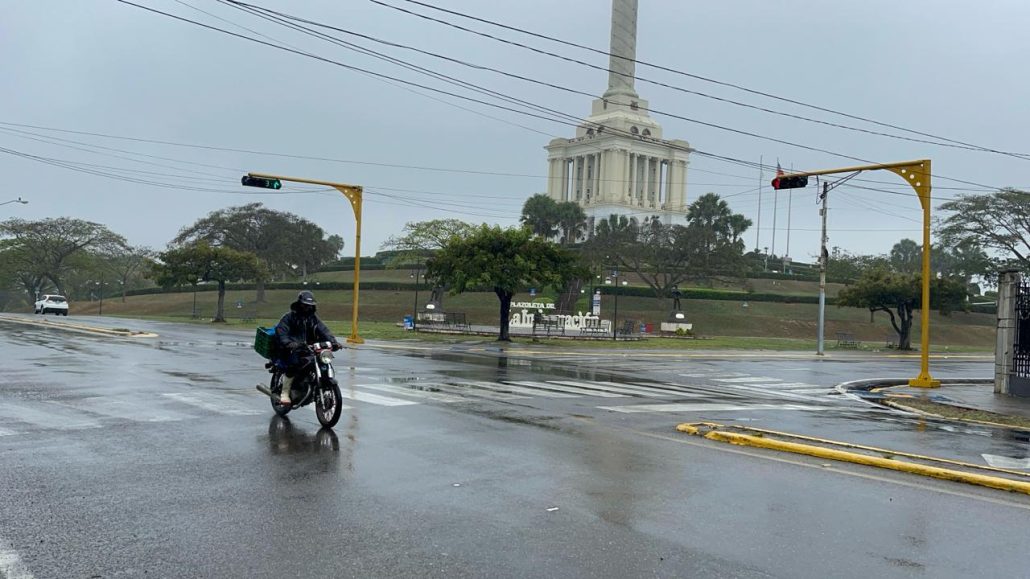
(822, 270)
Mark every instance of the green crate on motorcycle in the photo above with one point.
(265, 343)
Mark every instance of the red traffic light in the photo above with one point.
(790, 182)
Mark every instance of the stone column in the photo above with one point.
(621, 63)
(631, 176)
(1008, 283)
(598, 197)
(648, 182)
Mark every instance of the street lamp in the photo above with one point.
(18, 200)
(613, 280)
(100, 289)
(414, 308)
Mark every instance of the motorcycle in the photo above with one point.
(315, 383)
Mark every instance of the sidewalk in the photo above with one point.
(963, 394)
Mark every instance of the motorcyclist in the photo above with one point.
(298, 328)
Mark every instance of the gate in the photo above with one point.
(1019, 376)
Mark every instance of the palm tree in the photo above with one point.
(540, 214)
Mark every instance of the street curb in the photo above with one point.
(927, 414)
(77, 328)
(855, 458)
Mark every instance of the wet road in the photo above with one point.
(156, 457)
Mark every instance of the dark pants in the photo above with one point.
(297, 361)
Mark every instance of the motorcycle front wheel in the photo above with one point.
(275, 385)
(329, 404)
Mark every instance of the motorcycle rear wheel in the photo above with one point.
(275, 385)
(329, 404)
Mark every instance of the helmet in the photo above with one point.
(307, 298)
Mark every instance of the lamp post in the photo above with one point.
(414, 308)
(613, 280)
(100, 290)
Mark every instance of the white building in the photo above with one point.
(618, 162)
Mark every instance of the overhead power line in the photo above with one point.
(573, 120)
(946, 141)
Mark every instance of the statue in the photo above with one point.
(676, 295)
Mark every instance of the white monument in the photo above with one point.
(618, 162)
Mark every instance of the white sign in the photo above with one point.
(524, 319)
(532, 306)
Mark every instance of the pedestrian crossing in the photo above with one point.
(699, 393)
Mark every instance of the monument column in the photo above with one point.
(622, 62)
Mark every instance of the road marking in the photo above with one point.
(374, 398)
(527, 391)
(138, 411)
(5, 432)
(746, 380)
(11, 565)
(998, 461)
(630, 390)
(495, 389)
(706, 407)
(415, 390)
(467, 389)
(48, 415)
(221, 404)
(560, 388)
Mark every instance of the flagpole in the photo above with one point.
(758, 233)
(776, 201)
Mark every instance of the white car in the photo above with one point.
(52, 304)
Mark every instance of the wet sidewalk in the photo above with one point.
(971, 394)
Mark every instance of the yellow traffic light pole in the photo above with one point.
(917, 175)
(353, 193)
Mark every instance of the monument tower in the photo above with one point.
(618, 162)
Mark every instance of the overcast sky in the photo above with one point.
(946, 68)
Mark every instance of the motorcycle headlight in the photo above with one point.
(325, 356)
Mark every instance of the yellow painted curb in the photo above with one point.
(839, 455)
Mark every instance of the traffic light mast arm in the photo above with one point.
(353, 193)
(917, 175)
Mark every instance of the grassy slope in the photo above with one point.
(775, 321)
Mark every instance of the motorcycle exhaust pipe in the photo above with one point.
(264, 390)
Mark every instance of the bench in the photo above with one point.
(439, 321)
(548, 325)
(846, 340)
(629, 328)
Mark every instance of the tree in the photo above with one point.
(657, 253)
(998, 221)
(715, 233)
(281, 240)
(572, 220)
(540, 215)
(507, 260)
(420, 239)
(200, 261)
(128, 264)
(900, 294)
(906, 256)
(42, 250)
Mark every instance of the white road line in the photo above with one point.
(417, 390)
(998, 461)
(495, 388)
(463, 389)
(792, 385)
(526, 391)
(706, 407)
(218, 403)
(11, 565)
(5, 432)
(47, 415)
(747, 380)
(135, 410)
(631, 390)
(374, 398)
(647, 389)
(567, 389)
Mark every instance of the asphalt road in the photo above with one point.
(156, 457)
